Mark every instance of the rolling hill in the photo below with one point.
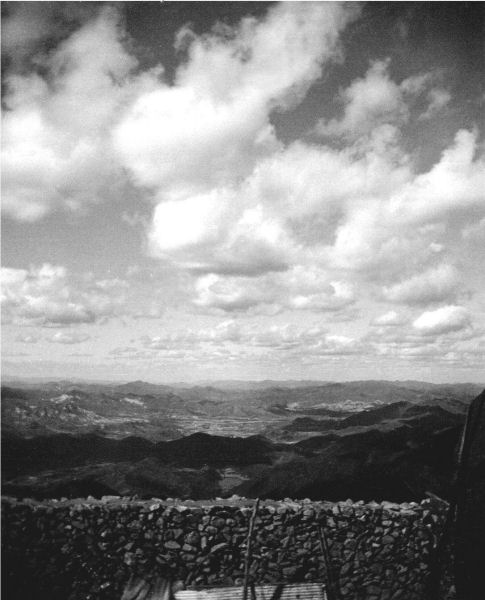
(366, 440)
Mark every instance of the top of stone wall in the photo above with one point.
(406, 508)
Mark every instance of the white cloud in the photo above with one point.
(389, 319)
(474, 233)
(438, 98)
(434, 285)
(344, 216)
(367, 102)
(443, 337)
(286, 213)
(48, 296)
(27, 339)
(190, 222)
(26, 26)
(55, 140)
(443, 320)
(225, 331)
(211, 233)
(68, 337)
(298, 288)
(212, 126)
(194, 142)
(214, 291)
(406, 226)
(377, 99)
(230, 198)
(310, 341)
(242, 222)
(287, 344)
(23, 27)
(229, 336)
(453, 187)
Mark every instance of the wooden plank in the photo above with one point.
(289, 591)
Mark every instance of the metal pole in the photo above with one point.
(333, 591)
(247, 557)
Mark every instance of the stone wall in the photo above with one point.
(83, 549)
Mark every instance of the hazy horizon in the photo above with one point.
(196, 382)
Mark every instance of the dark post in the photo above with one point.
(247, 557)
(469, 538)
(333, 591)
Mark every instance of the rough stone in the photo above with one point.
(375, 548)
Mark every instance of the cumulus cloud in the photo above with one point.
(226, 331)
(48, 296)
(25, 27)
(193, 142)
(475, 232)
(213, 124)
(434, 285)
(55, 142)
(252, 340)
(205, 234)
(452, 188)
(297, 288)
(367, 102)
(405, 228)
(27, 339)
(287, 213)
(445, 336)
(376, 99)
(335, 212)
(443, 320)
(314, 340)
(438, 98)
(230, 198)
(68, 337)
(242, 222)
(389, 319)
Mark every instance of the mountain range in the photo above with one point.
(365, 440)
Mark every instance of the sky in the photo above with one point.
(247, 190)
